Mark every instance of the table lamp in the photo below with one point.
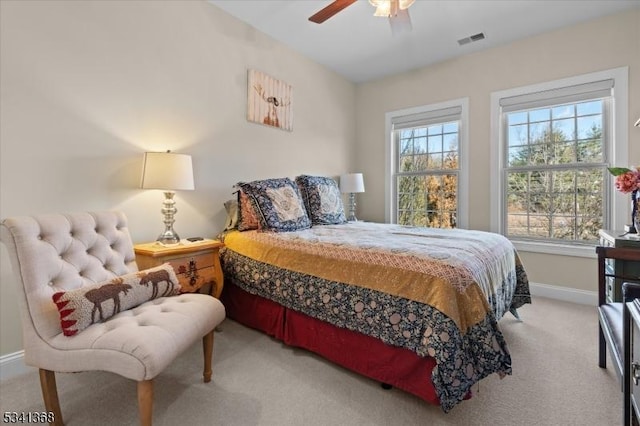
(169, 172)
(352, 183)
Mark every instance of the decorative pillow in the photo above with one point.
(278, 204)
(247, 219)
(90, 304)
(231, 206)
(322, 199)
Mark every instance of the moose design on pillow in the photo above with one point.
(101, 294)
(154, 278)
(80, 308)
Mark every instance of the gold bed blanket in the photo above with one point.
(455, 271)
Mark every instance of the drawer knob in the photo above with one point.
(635, 372)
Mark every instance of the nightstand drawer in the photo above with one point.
(195, 272)
(196, 264)
(191, 281)
(199, 261)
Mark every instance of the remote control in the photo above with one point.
(193, 239)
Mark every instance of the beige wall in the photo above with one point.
(598, 45)
(87, 87)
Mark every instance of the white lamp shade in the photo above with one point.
(352, 182)
(167, 171)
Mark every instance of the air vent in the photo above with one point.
(467, 40)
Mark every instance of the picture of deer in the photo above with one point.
(271, 119)
(106, 292)
(154, 279)
(269, 101)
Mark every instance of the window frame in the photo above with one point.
(391, 157)
(616, 151)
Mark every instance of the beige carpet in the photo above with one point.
(258, 381)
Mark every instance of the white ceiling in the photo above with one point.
(361, 47)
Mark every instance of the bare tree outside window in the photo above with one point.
(427, 175)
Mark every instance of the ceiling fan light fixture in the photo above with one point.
(387, 8)
(383, 9)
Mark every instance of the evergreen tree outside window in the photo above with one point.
(555, 174)
(551, 145)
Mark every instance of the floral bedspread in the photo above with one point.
(436, 292)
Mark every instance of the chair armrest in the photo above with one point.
(630, 291)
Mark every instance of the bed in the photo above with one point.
(412, 307)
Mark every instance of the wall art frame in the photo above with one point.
(269, 101)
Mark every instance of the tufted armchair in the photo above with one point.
(56, 252)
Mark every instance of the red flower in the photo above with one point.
(627, 180)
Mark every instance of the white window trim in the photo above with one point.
(463, 176)
(617, 153)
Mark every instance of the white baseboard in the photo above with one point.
(565, 294)
(12, 365)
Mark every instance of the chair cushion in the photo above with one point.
(95, 303)
(138, 343)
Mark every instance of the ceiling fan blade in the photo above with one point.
(330, 10)
(400, 22)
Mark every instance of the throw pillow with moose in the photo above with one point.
(91, 304)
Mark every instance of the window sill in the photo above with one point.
(555, 249)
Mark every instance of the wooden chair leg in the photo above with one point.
(145, 402)
(207, 346)
(50, 395)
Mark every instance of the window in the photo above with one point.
(554, 150)
(555, 175)
(425, 146)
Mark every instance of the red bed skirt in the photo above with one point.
(366, 355)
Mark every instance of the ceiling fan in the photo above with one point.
(396, 10)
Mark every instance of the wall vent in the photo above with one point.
(467, 40)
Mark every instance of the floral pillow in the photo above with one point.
(91, 304)
(322, 199)
(247, 219)
(278, 204)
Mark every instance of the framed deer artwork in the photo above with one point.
(269, 101)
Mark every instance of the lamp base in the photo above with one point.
(168, 238)
(352, 208)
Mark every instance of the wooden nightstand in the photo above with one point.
(196, 264)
